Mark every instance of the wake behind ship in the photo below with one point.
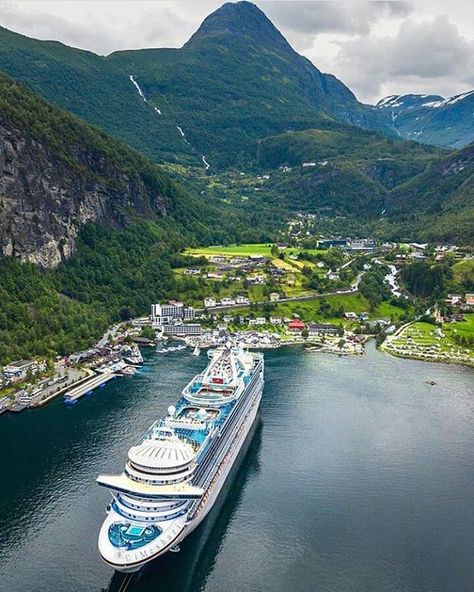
(174, 474)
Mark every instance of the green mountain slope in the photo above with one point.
(58, 173)
(93, 88)
(438, 202)
(235, 81)
(340, 171)
(105, 225)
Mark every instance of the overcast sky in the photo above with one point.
(376, 48)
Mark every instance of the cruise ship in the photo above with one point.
(175, 472)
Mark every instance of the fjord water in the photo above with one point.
(359, 477)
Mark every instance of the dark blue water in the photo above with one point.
(359, 478)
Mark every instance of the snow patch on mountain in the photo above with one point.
(385, 102)
(449, 101)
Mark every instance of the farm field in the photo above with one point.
(464, 271)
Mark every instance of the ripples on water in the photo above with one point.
(359, 478)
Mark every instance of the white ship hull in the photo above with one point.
(183, 528)
(199, 494)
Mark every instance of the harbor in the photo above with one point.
(76, 376)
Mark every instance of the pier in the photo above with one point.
(94, 382)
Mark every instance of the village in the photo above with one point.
(265, 296)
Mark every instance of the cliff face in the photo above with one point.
(45, 198)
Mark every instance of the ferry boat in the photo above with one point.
(174, 474)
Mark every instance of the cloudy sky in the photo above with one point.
(376, 48)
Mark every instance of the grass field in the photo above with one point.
(310, 310)
(465, 328)
(419, 338)
(262, 249)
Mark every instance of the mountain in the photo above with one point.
(432, 119)
(57, 173)
(340, 172)
(91, 87)
(236, 80)
(439, 202)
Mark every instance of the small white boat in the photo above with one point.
(196, 351)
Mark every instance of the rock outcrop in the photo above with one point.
(45, 198)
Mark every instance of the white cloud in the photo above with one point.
(303, 20)
(422, 57)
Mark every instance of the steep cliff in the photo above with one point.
(58, 173)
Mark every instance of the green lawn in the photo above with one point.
(424, 334)
(465, 328)
(263, 249)
(309, 310)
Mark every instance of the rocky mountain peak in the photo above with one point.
(242, 22)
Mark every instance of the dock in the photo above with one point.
(89, 385)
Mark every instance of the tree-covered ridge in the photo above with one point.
(336, 142)
(92, 88)
(339, 171)
(114, 275)
(439, 201)
(37, 320)
(69, 137)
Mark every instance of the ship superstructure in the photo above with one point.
(174, 474)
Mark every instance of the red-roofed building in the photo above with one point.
(296, 325)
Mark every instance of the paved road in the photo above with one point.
(107, 335)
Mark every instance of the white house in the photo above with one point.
(209, 302)
(242, 300)
(227, 302)
(257, 321)
(350, 315)
(19, 369)
(274, 296)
